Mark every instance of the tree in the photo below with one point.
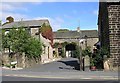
(10, 19)
(76, 52)
(17, 39)
(5, 40)
(99, 56)
(62, 30)
(46, 32)
(87, 51)
(33, 48)
(20, 41)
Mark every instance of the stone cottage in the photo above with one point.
(33, 28)
(82, 37)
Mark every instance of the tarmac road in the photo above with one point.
(66, 69)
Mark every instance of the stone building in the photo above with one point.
(33, 28)
(81, 37)
(109, 29)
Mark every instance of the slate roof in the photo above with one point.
(29, 23)
(75, 34)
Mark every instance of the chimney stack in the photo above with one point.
(78, 29)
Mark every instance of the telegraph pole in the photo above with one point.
(80, 49)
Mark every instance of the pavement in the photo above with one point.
(64, 69)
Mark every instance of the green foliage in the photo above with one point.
(46, 32)
(33, 49)
(17, 39)
(87, 51)
(0, 22)
(56, 44)
(63, 53)
(0, 40)
(20, 41)
(92, 62)
(8, 65)
(104, 51)
(64, 44)
(76, 52)
(10, 19)
(99, 57)
(62, 30)
(5, 40)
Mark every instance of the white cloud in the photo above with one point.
(56, 23)
(16, 16)
(6, 9)
(12, 6)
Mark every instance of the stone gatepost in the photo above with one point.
(21, 60)
(87, 63)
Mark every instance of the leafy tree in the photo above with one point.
(62, 30)
(99, 57)
(5, 40)
(10, 19)
(17, 39)
(87, 51)
(76, 52)
(46, 32)
(33, 48)
(20, 41)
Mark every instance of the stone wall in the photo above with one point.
(109, 30)
(22, 61)
(47, 54)
(5, 58)
(114, 32)
(90, 42)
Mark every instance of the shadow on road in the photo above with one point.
(73, 64)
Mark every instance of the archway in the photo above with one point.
(69, 49)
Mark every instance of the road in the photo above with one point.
(64, 65)
(66, 69)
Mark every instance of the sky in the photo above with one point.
(61, 15)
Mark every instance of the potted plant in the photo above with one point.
(92, 64)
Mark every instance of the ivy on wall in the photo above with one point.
(46, 32)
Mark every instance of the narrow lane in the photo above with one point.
(63, 65)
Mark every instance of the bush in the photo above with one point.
(76, 52)
(33, 48)
(87, 51)
(99, 57)
(20, 41)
